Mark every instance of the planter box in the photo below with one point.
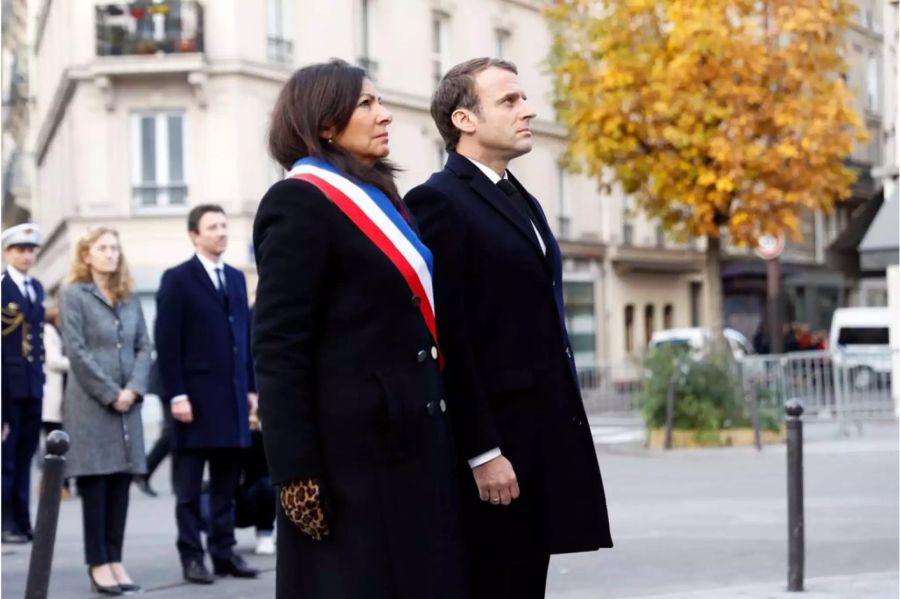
(730, 437)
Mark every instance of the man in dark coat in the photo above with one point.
(22, 376)
(203, 349)
(513, 393)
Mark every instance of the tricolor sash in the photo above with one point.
(376, 217)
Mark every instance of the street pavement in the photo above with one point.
(688, 524)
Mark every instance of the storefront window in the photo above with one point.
(580, 320)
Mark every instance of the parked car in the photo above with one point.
(860, 338)
(697, 339)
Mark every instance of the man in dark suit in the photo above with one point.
(512, 387)
(203, 349)
(23, 376)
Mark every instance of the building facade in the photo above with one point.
(142, 110)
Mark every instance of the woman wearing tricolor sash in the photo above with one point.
(347, 358)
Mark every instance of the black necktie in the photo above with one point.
(520, 205)
(29, 294)
(223, 293)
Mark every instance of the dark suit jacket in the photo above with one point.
(509, 372)
(349, 392)
(203, 351)
(23, 343)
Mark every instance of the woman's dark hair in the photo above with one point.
(317, 97)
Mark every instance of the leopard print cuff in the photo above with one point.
(301, 500)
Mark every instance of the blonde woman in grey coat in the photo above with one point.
(109, 355)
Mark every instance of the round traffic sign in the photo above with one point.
(769, 247)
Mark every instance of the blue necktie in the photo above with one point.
(223, 293)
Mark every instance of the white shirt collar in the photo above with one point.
(17, 277)
(209, 265)
(490, 173)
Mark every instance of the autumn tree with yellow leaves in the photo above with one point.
(719, 116)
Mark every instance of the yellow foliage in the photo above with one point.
(713, 113)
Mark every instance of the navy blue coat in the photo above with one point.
(510, 377)
(23, 343)
(203, 351)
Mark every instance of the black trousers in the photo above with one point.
(256, 502)
(163, 445)
(104, 509)
(224, 471)
(526, 580)
(18, 452)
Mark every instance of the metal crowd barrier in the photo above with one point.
(611, 388)
(848, 385)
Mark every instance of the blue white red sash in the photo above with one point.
(377, 218)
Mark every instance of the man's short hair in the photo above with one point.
(197, 213)
(457, 90)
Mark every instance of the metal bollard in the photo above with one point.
(796, 538)
(47, 516)
(681, 368)
(754, 407)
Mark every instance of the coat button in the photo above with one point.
(118, 346)
(421, 356)
(443, 405)
(234, 348)
(434, 353)
(416, 300)
(30, 358)
(554, 283)
(431, 407)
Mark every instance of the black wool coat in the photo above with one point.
(510, 377)
(349, 392)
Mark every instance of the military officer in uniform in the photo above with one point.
(22, 376)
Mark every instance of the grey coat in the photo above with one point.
(108, 350)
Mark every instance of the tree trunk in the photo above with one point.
(714, 301)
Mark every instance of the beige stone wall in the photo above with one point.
(83, 173)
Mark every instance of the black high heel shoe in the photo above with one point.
(108, 590)
(129, 588)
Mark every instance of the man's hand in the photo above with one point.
(252, 402)
(181, 411)
(124, 401)
(496, 481)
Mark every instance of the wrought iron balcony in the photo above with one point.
(144, 28)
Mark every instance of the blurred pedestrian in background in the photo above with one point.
(109, 355)
(56, 368)
(22, 377)
(163, 445)
(203, 348)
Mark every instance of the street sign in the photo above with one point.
(769, 247)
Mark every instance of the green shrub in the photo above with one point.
(707, 395)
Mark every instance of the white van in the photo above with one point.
(860, 340)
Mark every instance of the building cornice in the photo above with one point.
(104, 70)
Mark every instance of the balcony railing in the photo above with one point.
(135, 28)
(280, 50)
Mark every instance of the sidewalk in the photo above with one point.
(687, 524)
(878, 585)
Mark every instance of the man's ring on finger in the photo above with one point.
(495, 500)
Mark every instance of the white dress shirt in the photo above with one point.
(19, 279)
(210, 267)
(495, 178)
